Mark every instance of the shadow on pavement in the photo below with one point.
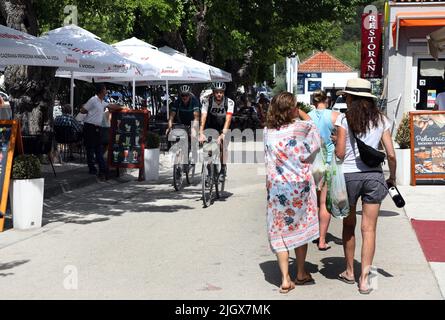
(272, 273)
(333, 266)
(105, 204)
(331, 238)
(383, 213)
(11, 265)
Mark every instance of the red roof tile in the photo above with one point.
(323, 62)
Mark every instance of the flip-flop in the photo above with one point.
(341, 277)
(286, 290)
(367, 291)
(305, 282)
(325, 248)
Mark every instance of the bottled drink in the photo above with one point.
(396, 196)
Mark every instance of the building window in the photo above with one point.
(314, 85)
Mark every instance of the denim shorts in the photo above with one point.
(370, 186)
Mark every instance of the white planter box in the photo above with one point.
(151, 164)
(403, 173)
(26, 198)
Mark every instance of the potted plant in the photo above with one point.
(151, 157)
(403, 154)
(26, 195)
(304, 107)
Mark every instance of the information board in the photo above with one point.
(427, 145)
(10, 141)
(127, 139)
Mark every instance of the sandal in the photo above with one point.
(325, 248)
(341, 277)
(305, 282)
(286, 290)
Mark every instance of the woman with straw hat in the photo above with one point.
(363, 120)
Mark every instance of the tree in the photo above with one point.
(32, 89)
(243, 37)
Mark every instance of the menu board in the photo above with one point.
(10, 139)
(127, 139)
(427, 145)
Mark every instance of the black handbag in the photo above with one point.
(370, 156)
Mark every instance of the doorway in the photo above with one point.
(430, 82)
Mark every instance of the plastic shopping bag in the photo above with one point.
(319, 167)
(337, 201)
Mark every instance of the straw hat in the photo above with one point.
(358, 87)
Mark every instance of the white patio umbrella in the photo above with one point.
(96, 57)
(19, 48)
(216, 74)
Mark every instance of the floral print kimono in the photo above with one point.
(292, 216)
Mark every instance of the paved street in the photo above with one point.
(144, 241)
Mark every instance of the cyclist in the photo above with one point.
(216, 113)
(185, 111)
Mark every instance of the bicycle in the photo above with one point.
(179, 167)
(211, 184)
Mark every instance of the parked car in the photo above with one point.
(340, 105)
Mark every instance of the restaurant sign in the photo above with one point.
(371, 59)
(427, 145)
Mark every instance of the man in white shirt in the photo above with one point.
(94, 110)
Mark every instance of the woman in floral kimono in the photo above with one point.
(292, 219)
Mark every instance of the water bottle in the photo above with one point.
(396, 196)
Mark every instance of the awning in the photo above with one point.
(416, 19)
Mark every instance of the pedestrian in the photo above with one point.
(94, 110)
(324, 119)
(363, 120)
(292, 220)
(439, 105)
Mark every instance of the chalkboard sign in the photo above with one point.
(10, 140)
(127, 139)
(427, 145)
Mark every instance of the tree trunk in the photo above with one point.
(32, 90)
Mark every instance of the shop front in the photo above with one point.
(413, 78)
(414, 75)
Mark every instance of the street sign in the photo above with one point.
(10, 141)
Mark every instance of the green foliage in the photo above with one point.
(304, 107)
(403, 136)
(153, 140)
(242, 36)
(26, 167)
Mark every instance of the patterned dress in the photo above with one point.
(292, 217)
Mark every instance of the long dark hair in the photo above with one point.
(363, 114)
(281, 110)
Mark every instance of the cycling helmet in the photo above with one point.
(185, 89)
(219, 86)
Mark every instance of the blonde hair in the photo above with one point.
(281, 110)
(319, 96)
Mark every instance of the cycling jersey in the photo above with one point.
(216, 113)
(185, 113)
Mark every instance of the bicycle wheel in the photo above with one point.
(207, 184)
(222, 184)
(178, 172)
(190, 173)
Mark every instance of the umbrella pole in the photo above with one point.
(72, 93)
(168, 100)
(134, 94)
